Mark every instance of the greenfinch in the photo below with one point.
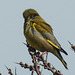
(39, 34)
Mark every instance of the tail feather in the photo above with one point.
(64, 51)
(61, 59)
(64, 63)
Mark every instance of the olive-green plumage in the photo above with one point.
(39, 35)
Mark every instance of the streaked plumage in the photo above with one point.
(39, 35)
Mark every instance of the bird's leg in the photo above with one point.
(43, 53)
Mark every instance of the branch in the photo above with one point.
(0, 74)
(9, 70)
(15, 71)
(36, 58)
(72, 46)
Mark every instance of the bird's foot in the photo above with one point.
(43, 53)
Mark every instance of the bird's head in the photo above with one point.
(30, 13)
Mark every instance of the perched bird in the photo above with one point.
(39, 34)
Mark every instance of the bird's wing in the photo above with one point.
(47, 32)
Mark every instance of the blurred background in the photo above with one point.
(60, 14)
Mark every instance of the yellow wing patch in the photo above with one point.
(34, 26)
(52, 44)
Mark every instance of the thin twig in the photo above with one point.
(72, 46)
(15, 71)
(46, 56)
(9, 70)
(32, 72)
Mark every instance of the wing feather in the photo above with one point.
(47, 32)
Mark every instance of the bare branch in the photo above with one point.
(72, 46)
(36, 58)
(9, 70)
(15, 71)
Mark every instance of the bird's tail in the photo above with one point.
(64, 51)
(61, 59)
(64, 63)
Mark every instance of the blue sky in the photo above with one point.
(59, 14)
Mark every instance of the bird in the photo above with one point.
(39, 34)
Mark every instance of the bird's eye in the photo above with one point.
(33, 16)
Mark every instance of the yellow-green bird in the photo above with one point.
(39, 34)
